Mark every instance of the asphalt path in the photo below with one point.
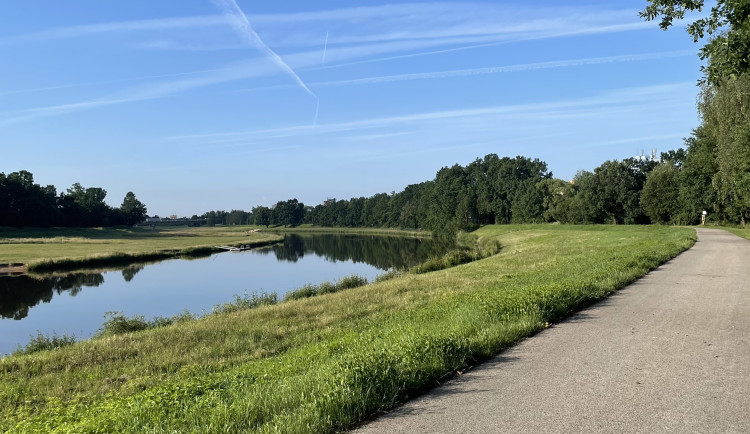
(668, 353)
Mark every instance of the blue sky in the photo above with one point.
(207, 104)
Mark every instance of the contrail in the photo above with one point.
(325, 48)
(317, 108)
(508, 68)
(239, 21)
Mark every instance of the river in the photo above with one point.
(76, 302)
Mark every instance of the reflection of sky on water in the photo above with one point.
(169, 287)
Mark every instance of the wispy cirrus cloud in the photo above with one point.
(176, 23)
(256, 68)
(381, 33)
(487, 70)
(439, 21)
(106, 82)
(149, 91)
(508, 68)
(608, 124)
(616, 101)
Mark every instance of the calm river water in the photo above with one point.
(76, 303)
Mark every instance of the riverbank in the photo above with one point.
(325, 363)
(37, 250)
(312, 229)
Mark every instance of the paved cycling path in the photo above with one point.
(669, 353)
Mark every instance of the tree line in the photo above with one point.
(673, 188)
(25, 203)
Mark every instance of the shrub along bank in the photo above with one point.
(324, 363)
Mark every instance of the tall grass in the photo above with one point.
(117, 323)
(323, 364)
(743, 232)
(246, 301)
(42, 342)
(311, 290)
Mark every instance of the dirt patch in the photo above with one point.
(12, 269)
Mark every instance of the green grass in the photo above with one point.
(326, 363)
(312, 290)
(741, 232)
(50, 249)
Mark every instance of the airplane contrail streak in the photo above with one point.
(325, 48)
(239, 21)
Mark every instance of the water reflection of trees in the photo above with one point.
(20, 293)
(130, 272)
(379, 251)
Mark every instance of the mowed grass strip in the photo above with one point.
(743, 232)
(326, 363)
(82, 247)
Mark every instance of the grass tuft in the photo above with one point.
(42, 342)
(117, 323)
(311, 290)
(246, 301)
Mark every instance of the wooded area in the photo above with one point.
(25, 203)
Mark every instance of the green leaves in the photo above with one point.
(660, 194)
(728, 52)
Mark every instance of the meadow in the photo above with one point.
(57, 248)
(328, 362)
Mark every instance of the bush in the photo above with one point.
(352, 281)
(432, 264)
(246, 302)
(306, 291)
(388, 275)
(116, 323)
(40, 342)
(310, 290)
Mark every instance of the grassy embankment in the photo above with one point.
(325, 363)
(740, 232)
(53, 249)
